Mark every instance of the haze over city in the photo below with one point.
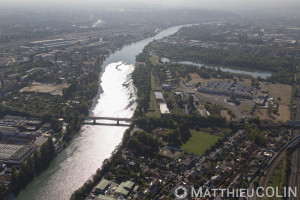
(149, 100)
(211, 4)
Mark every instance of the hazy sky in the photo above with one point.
(210, 4)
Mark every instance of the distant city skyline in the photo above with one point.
(212, 4)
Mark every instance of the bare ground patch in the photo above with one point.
(225, 114)
(282, 116)
(46, 88)
(281, 91)
(196, 79)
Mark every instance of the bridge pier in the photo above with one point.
(94, 121)
(118, 122)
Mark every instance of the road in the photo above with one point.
(295, 160)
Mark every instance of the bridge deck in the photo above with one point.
(107, 118)
(284, 148)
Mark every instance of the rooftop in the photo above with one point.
(7, 150)
(103, 184)
(7, 129)
(103, 197)
(21, 153)
(40, 140)
(158, 95)
(124, 188)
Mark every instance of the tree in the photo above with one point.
(23, 175)
(47, 117)
(47, 152)
(83, 108)
(254, 120)
(3, 188)
(36, 161)
(18, 77)
(51, 148)
(257, 136)
(14, 178)
(169, 103)
(188, 78)
(173, 137)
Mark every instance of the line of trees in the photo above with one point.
(172, 120)
(33, 165)
(142, 80)
(283, 68)
(72, 127)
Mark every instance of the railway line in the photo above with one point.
(293, 180)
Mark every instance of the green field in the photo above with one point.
(154, 60)
(278, 178)
(154, 85)
(154, 110)
(199, 142)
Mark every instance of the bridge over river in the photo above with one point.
(94, 119)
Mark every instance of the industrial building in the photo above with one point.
(166, 87)
(226, 89)
(22, 123)
(102, 186)
(50, 44)
(19, 138)
(125, 188)
(15, 154)
(159, 96)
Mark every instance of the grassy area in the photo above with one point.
(153, 83)
(37, 104)
(196, 79)
(282, 95)
(154, 60)
(199, 142)
(283, 115)
(153, 110)
(278, 178)
(245, 110)
(294, 102)
(225, 114)
(284, 92)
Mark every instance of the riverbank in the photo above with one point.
(73, 126)
(77, 157)
(104, 168)
(233, 70)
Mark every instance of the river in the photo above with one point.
(88, 149)
(255, 73)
